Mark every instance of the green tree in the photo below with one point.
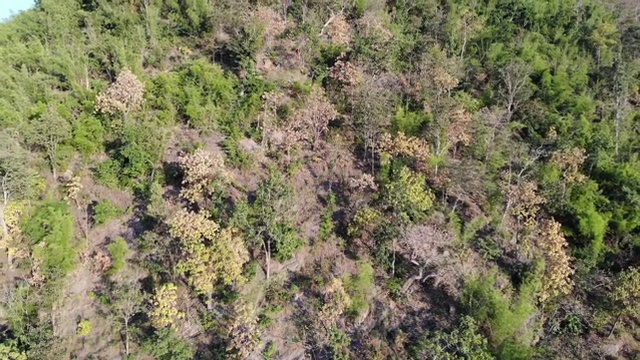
(406, 195)
(50, 230)
(127, 300)
(118, 250)
(463, 343)
(166, 344)
(213, 255)
(267, 222)
(141, 148)
(47, 132)
(16, 178)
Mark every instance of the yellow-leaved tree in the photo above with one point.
(244, 333)
(212, 255)
(164, 311)
(201, 169)
(558, 270)
(626, 294)
(122, 96)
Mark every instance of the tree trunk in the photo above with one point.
(126, 336)
(147, 21)
(393, 261)
(464, 45)
(267, 254)
(3, 206)
(613, 327)
(373, 159)
(3, 223)
(86, 77)
(209, 302)
(437, 154)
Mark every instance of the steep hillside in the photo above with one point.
(320, 179)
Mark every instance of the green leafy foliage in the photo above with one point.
(508, 317)
(360, 287)
(269, 218)
(203, 93)
(167, 345)
(118, 251)
(106, 173)
(327, 225)
(88, 135)
(449, 105)
(9, 350)
(463, 342)
(50, 231)
(140, 149)
(407, 196)
(104, 211)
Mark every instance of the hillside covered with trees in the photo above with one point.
(320, 179)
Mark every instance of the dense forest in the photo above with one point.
(320, 179)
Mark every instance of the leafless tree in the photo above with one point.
(428, 247)
(127, 300)
(372, 102)
(515, 79)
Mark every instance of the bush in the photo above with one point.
(50, 229)
(88, 135)
(383, 237)
(106, 173)
(270, 351)
(406, 195)
(464, 342)
(327, 226)
(118, 250)
(236, 156)
(105, 211)
(167, 345)
(286, 241)
(508, 318)
(84, 328)
(360, 287)
(141, 148)
(206, 94)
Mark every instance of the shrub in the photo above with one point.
(507, 317)
(88, 135)
(360, 287)
(167, 345)
(50, 229)
(236, 156)
(84, 328)
(326, 226)
(407, 196)
(106, 173)
(9, 350)
(270, 351)
(382, 251)
(119, 252)
(626, 294)
(286, 241)
(464, 342)
(206, 94)
(141, 147)
(339, 342)
(105, 211)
